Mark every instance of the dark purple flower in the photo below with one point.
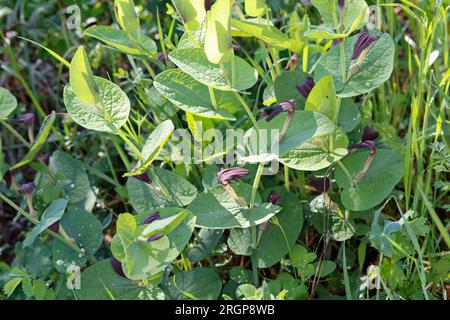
(306, 88)
(152, 218)
(370, 134)
(284, 106)
(273, 198)
(364, 145)
(208, 4)
(336, 42)
(54, 227)
(143, 177)
(27, 188)
(117, 267)
(341, 4)
(262, 115)
(27, 118)
(321, 185)
(230, 174)
(364, 41)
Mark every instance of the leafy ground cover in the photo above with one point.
(224, 149)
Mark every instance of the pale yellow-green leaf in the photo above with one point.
(126, 16)
(218, 33)
(82, 78)
(322, 99)
(192, 12)
(255, 8)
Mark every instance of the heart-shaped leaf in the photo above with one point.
(218, 41)
(255, 8)
(194, 62)
(192, 96)
(192, 12)
(108, 114)
(384, 172)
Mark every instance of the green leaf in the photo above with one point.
(109, 114)
(100, 278)
(285, 86)
(326, 268)
(322, 99)
(240, 241)
(215, 209)
(165, 225)
(355, 12)
(143, 198)
(153, 146)
(87, 232)
(82, 79)
(194, 62)
(11, 286)
(218, 41)
(8, 103)
(41, 138)
(385, 171)
(341, 229)
(305, 125)
(280, 235)
(315, 154)
(206, 241)
(120, 40)
(192, 12)
(126, 16)
(255, 8)
(52, 214)
(70, 176)
(192, 96)
(267, 33)
(375, 69)
(181, 191)
(196, 284)
(349, 115)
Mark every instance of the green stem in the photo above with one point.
(256, 184)
(161, 185)
(348, 292)
(35, 221)
(15, 133)
(247, 109)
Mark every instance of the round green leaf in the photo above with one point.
(198, 284)
(375, 69)
(84, 228)
(240, 241)
(192, 96)
(385, 171)
(194, 62)
(279, 237)
(109, 114)
(315, 155)
(215, 209)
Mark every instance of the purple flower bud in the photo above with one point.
(208, 4)
(306, 88)
(365, 145)
(230, 174)
(54, 227)
(365, 39)
(292, 61)
(117, 267)
(143, 177)
(27, 118)
(152, 218)
(341, 4)
(27, 188)
(284, 106)
(370, 134)
(263, 226)
(321, 185)
(336, 42)
(273, 198)
(155, 237)
(262, 115)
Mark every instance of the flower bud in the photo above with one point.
(27, 188)
(306, 88)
